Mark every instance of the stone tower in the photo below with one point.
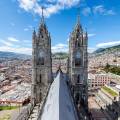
(42, 62)
(78, 63)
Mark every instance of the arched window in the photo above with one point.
(75, 44)
(78, 30)
(42, 36)
(77, 98)
(78, 44)
(78, 79)
(40, 78)
(78, 59)
(77, 36)
(41, 58)
(78, 55)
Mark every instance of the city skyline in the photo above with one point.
(42, 83)
(19, 18)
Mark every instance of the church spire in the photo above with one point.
(78, 16)
(34, 34)
(42, 18)
(42, 30)
(78, 25)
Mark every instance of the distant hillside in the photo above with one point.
(12, 55)
(109, 49)
(61, 55)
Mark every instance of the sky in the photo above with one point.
(18, 18)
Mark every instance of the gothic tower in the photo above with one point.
(78, 63)
(42, 62)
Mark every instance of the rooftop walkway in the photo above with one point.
(59, 104)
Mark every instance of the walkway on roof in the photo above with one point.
(59, 104)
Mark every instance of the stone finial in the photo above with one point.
(34, 34)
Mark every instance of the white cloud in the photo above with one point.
(68, 39)
(6, 43)
(60, 48)
(26, 29)
(27, 41)
(107, 44)
(9, 41)
(10, 45)
(100, 9)
(68, 3)
(90, 50)
(28, 50)
(12, 24)
(91, 35)
(30, 27)
(27, 4)
(21, 50)
(86, 11)
(53, 7)
(110, 12)
(12, 39)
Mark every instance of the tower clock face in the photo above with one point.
(40, 54)
(41, 58)
(78, 55)
(78, 59)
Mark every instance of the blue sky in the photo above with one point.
(101, 18)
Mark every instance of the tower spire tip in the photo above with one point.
(78, 16)
(42, 14)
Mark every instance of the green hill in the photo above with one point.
(61, 55)
(108, 49)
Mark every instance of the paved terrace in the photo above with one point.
(95, 109)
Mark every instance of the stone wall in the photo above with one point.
(25, 113)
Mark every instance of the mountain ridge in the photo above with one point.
(13, 55)
(103, 50)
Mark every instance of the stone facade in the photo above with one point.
(78, 63)
(42, 62)
(96, 81)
